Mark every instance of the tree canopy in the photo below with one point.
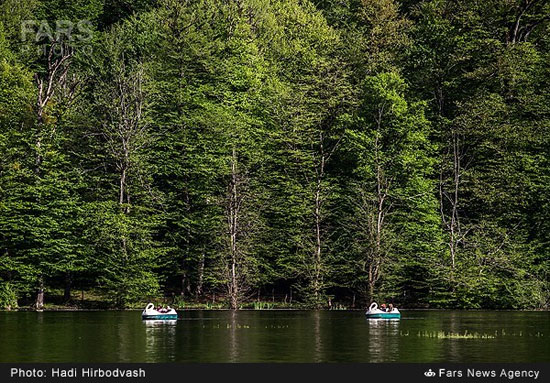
(306, 152)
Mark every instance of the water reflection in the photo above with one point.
(274, 336)
(160, 338)
(160, 323)
(317, 336)
(453, 347)
(233, 341)
(383, 339)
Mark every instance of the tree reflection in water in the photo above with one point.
(160, 340)
(317, 336)
(383, 339)
(233, 341)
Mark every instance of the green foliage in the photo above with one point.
(8, 298)
(394, 222)
(263, 306)
(322, 153)
(75, 10)
(124, 253)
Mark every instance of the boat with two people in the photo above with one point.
(159, 313)
(383, 312)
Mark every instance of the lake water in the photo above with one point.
(276, 336)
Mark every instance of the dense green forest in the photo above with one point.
(308, 152)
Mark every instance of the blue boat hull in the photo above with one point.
(384, 316)
(160, 317)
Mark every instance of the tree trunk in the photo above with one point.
(370, 292)
(233, 230)
(198, 291)
(454, 215)
(370, 284)
(377, 223)
(183, 283)
(317, 258)
(124, 196)
(56, 75)
(290, 297)
(68, 285)
(452, 221)
(318, 243)
(122, 183)
(186, 282)
(40, 295)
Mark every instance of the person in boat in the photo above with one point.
(161, 309)
(383, 307)
(390, 308)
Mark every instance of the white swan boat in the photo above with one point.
(151, 313)
(375, 313)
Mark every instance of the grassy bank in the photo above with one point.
(94, 300)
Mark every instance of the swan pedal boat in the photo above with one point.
(375, 313)
(151, 313)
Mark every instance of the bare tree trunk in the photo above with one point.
(454, 225)
(183, 278)
(124, 197)
(130, 130)
(370, 284)
(233, 230)
(125, 133)
(450, 196)
(382, 186)
(198, 291)
(519, 33)
(40, 295)
(318, 240)
(185, 281)
(124, 260)
(56, 74)
(122, 183)
(317, 282)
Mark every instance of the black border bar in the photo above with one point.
(282, 373)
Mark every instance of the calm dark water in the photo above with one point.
(275, 336)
